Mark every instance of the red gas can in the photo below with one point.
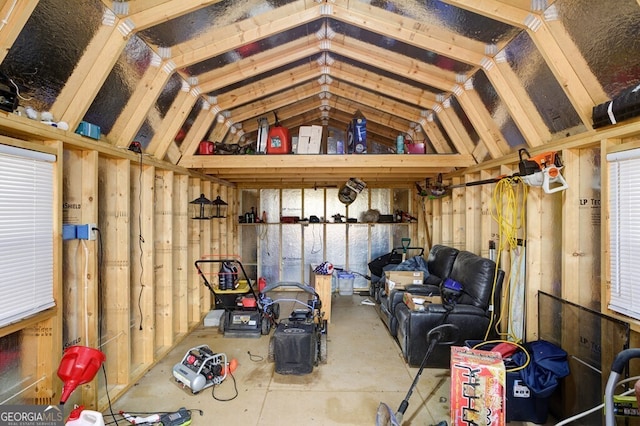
(279, 139)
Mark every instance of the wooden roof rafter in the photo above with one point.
(556, 46)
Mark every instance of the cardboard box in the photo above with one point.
(417, 302)
(309, 140)
(401, 279)
(477, 387)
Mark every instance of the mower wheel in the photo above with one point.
(265, 325)
(271, 354)
(323, 349)
(222, 324)
(276, 310)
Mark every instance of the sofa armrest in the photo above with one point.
(441, 309)
(432, 280)
(423, 290)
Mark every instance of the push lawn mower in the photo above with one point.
(299, 342)
(245, 313)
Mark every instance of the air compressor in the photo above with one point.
(278, 139)
(201, 368)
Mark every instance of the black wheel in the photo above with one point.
(323, 349)
(265, 325)
(271, 356)
(276, 310)
(325, 327)
(316, 353)
(222, 324)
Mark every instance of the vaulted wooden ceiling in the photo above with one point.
(409, 66)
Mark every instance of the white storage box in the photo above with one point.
(309, 140)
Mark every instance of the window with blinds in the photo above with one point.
(26, 233)
(624, 211)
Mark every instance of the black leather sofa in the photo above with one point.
(439, 263)
(475, 312)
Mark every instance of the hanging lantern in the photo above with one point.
(201, 207)
(221, 207)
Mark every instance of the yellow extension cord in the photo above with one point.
(509, 211)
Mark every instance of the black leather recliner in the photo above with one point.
(439, 264)
(476, 308)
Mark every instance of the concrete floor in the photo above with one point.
(365, 367)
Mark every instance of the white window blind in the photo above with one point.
(26, 233)
(624, 210)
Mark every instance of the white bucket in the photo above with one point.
(87, 418)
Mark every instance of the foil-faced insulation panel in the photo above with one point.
(498, 110)
(544, 90)
(253, 48)
(120, 84)
(460, 21)
(194, 24)
(44, 55)
(608, 39)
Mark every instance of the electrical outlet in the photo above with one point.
(86, 232)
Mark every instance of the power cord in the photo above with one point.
(235, 388)
(106, 388)
(255, 358)
(100, 289)
(140, 240)
(147, 413)
(601, 406)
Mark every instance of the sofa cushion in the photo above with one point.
(476, 274)
(439, 263)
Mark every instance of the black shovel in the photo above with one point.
(445, 334)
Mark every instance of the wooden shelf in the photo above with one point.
(377, 170)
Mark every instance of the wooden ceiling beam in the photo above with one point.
(435, 135)
(455, 129)
(140, 103)
(89, 75)
(268, 86)
(410, 31)
(385, 85)
(401, 65)
(482, 121)
(147, 13)
(258, 64)
(557, 48)
(500, 11)
(14, 14)
(229, 37)
(516, 99)
(198, 130)
(173, 121)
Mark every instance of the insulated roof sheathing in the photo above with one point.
(478, 78)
